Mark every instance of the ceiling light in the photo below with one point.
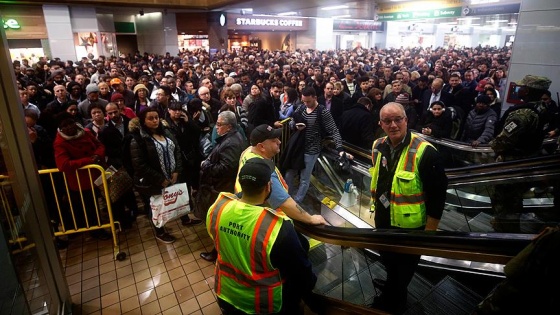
(287, 13)
(335, 7)
(468, 18)
(483, 1)
(341, 16)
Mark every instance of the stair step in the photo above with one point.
(446, 297)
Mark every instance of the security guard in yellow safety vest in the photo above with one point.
(408, 190)
(261, 266)
(265, 144)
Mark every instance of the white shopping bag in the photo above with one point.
(171, 204)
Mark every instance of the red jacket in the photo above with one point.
(75, 153)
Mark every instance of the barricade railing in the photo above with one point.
(73, 208)
(11, 218)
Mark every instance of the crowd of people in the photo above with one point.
(200, 118)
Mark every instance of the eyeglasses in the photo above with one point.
(388, 122)
(220, 124)
(545, 99)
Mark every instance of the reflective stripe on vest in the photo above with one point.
(247, 155)
(261, 282)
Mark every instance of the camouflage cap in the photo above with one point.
(535, 82)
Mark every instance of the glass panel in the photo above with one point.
(33, 280)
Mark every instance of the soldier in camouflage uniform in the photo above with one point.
(521, 137)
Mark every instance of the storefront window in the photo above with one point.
(85, 44)
(193, 42)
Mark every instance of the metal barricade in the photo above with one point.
(71, 206)
(86, 201)
(12, 218)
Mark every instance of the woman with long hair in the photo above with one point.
(156, 160)
(381, 83)
(288, 108)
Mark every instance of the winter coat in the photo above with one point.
(480, 126)
(71, 154)
(219, 170)
(148, 175)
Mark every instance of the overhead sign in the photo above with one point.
(355, 25)
(411, 6)
(11, 24)
(427, 14)
(493, 9)
(266, 23)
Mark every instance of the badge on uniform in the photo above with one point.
(510, 127)
(384, 201)
(384, 162)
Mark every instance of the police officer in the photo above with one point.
(408, 189)
(522, 132)
(261, 266)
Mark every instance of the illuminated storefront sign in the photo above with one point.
(265, 23)
(493, 9)
(429, 14)
(419, 10)
(268, 22)
(353, 25)
(11, 24)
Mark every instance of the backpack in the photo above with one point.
(520, 135)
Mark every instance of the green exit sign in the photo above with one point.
(11, 24)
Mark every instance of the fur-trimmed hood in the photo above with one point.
(135, 126)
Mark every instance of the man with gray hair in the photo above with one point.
(219, 171)
(92, 97)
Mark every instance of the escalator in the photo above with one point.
(460, 264)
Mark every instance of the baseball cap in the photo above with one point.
(255, 173)
(264, 132)
(169, 74)
(219, 71)
(116, 96)
(480, 86)
(115, 81)
(535, 82)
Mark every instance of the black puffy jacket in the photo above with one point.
(148, 175)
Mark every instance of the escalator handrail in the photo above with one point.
(543, 166)
(482, 247)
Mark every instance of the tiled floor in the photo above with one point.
(155, 278)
